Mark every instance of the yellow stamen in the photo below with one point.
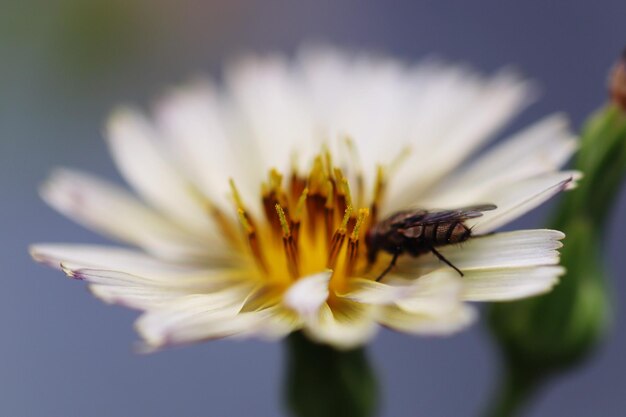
(300, 206)
(330, 194)
(253, 240)
(346, 218)
(296, 186)
(236, 195)
(353, 243)
(225, 224)
(317, 177)
(380, 182)
(274, 194)
(328, 161)
(363, 214)
(298, 212)
(329, 214)
(345, 186)
(338, 174)
(247, 227)
(337, 241)
(275, 179)
(379, 189)
(283, 220)
(291, 253)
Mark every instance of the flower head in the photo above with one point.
(253, 200)
(617, 82)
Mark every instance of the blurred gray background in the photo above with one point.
(65, 64)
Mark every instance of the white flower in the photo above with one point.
(222, 248)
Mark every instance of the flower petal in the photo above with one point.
(273, 110)
(110, 210)
(366, 97)
(540, 149)
(198, 318)
(94, 256)
(425, 324)
(494, 103)
(144, 164)
(143, 294)
(431, 293)
(514, 200)
(368, 291)
(434, 294)
(516, 249)
(308, 294)
(195, 318)
(134, 279)
(503, 97)
(509, 283)
(194, 122)
(345, 326)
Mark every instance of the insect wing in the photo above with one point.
(407, 217)
(459, 214)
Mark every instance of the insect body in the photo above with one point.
(417, 232)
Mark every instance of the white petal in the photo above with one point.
(111, 258)
(144, 164)
(369, 291)
(139, 298)
(516, 249)
(514, 200)
(278, 323)
(345, 326)
(194, 122)
(195, 318)
(540, 149)
(367, 97)
(110, 210)
(485, 111)
(509, 283)
(133, 279)
(144, 294)
(424, 324)
(308, 294)
(273, 109)
(432, 293)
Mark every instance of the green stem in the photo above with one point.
(324, 382)
(512, 395)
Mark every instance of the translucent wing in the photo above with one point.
(437, 216)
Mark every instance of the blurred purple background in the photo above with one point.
(65, 63)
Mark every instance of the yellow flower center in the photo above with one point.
(311, 223)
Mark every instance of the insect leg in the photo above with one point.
(441, 258)
(391, 265)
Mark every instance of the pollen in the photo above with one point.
(309, 222)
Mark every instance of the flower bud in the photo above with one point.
(552, 333)
(617, 82)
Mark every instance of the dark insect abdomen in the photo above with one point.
(421, 238)
(446, 233)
